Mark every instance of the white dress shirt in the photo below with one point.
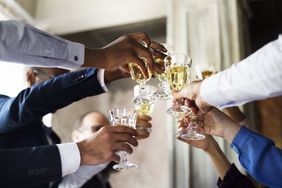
(259, 76)
(22, 43)
(81, 176)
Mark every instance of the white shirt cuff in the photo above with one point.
(70, 157)
(76, 53)
(100, 75)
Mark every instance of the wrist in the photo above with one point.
(231, 131)
(112, 75)
(212, 147)
(107, 77)
(95, 57)
(84, 158)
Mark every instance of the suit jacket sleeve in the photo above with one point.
(259, 76)
(234, 178)
(46, 97)
(29, 166)
(22, 43)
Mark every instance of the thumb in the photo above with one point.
(184, 93)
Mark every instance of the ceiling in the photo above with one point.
(72, 16)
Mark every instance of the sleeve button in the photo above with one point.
(75, 58)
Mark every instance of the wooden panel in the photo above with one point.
(270, 116)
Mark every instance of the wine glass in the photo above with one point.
(137, 75)
(145, 106)
(190, 133)
(124, 117)
(163, 92)
(177, 71)
(205, 70)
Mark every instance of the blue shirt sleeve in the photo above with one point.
(259, 155)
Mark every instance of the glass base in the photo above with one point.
(126, 165)
(180, 112)
(192, 136)
(163, 95)
(139, 100)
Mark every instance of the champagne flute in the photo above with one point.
(124, 117)
(177, 71)
(163, 92)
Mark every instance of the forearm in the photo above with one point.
(94, 58)
(230, 131)
(235, 114)
(256, 77)
(22, 43)
(259, 156)
(218, 158)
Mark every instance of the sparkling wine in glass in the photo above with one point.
(123, 117)
(145, 106)
(205, 70)
(137, 75)
(163, 92)
(177, 71)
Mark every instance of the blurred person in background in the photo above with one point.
(22, 126)
(87, 125)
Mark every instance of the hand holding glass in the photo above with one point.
(123, 117)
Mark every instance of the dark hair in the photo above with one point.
(79, 121)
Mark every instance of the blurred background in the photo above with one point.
(217, 31)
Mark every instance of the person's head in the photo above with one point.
(88, 124)
(34, 75)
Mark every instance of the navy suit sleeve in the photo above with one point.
(29, 166)
(46, 97)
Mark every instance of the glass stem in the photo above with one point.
(123, 157)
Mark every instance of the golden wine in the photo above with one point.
(145, 108)
(136, 73)
(206, 74)
(177, 77)
(160, 76)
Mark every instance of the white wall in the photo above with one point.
(12, 78)
(82, 15)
